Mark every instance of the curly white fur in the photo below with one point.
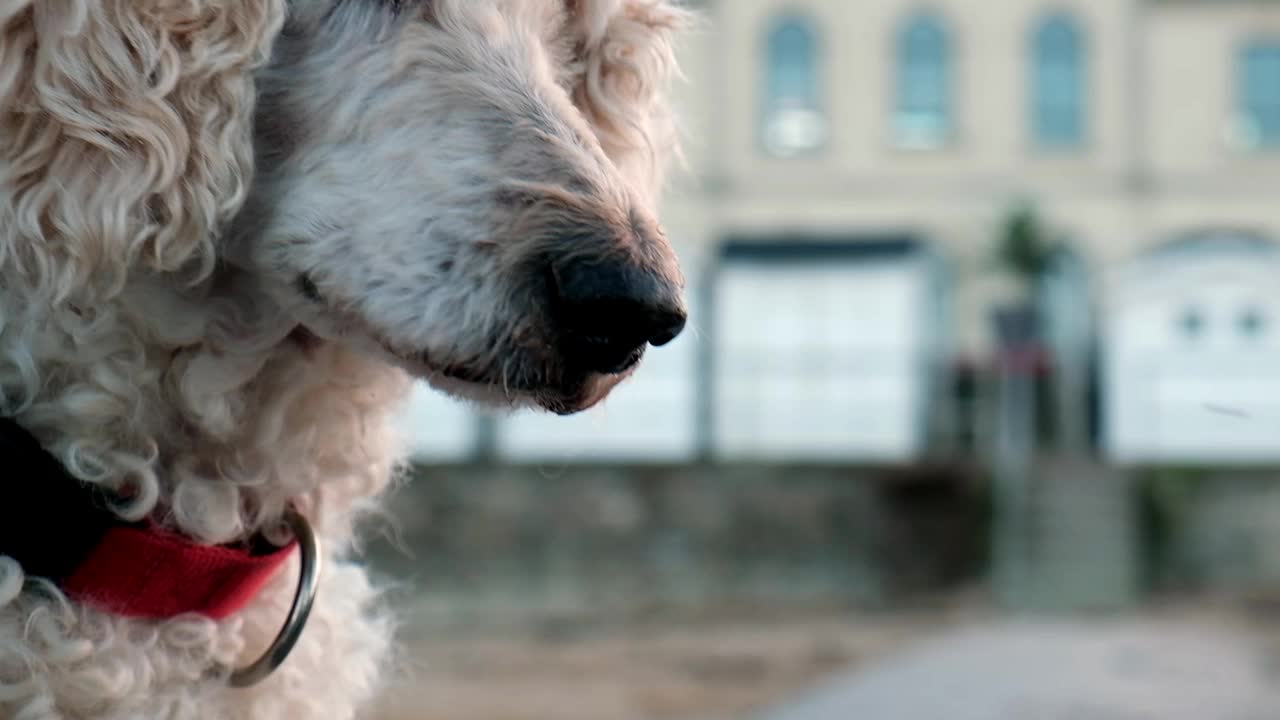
(407, 160)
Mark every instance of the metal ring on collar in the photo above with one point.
(303, 598)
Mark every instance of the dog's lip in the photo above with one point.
(580, 393)
(420, 364)
(580, 390)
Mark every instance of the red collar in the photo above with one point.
(59, 529)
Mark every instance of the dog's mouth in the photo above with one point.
(569, 393)
(518, 378)
(421, 364)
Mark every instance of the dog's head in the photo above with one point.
(466, 187)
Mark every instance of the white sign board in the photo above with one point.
(439, 428)
(1191, 359)
(822, 362)
(648, 418)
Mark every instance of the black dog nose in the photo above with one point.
(609, 310)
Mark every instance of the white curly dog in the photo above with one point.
(231, 233)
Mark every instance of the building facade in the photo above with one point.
(849, 166)
(1128, 123)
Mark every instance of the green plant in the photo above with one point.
(1166, 501)
(1024, 248)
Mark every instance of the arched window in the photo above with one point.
(923, 111)
(792, 117)
(1252, 322)
(1058, 80)
(1260, 93)
(1191, 323)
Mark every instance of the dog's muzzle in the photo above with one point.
(64, 531)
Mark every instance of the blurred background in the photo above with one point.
(978, 415)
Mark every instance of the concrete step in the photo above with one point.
(1073, 546)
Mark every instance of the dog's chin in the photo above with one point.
(571, 393)
(576, 393)
(560, 401)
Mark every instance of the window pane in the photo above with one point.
(923, 115)
(1058, 83)
(1260, 92)
(791, 65)
(791, 119)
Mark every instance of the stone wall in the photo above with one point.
(474, 543)
(1213, 531)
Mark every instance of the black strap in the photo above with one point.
(49, 521)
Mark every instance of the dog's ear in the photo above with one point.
(624, 65)
(125, 138)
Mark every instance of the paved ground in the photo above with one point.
(722, 670)
(1114, 670)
